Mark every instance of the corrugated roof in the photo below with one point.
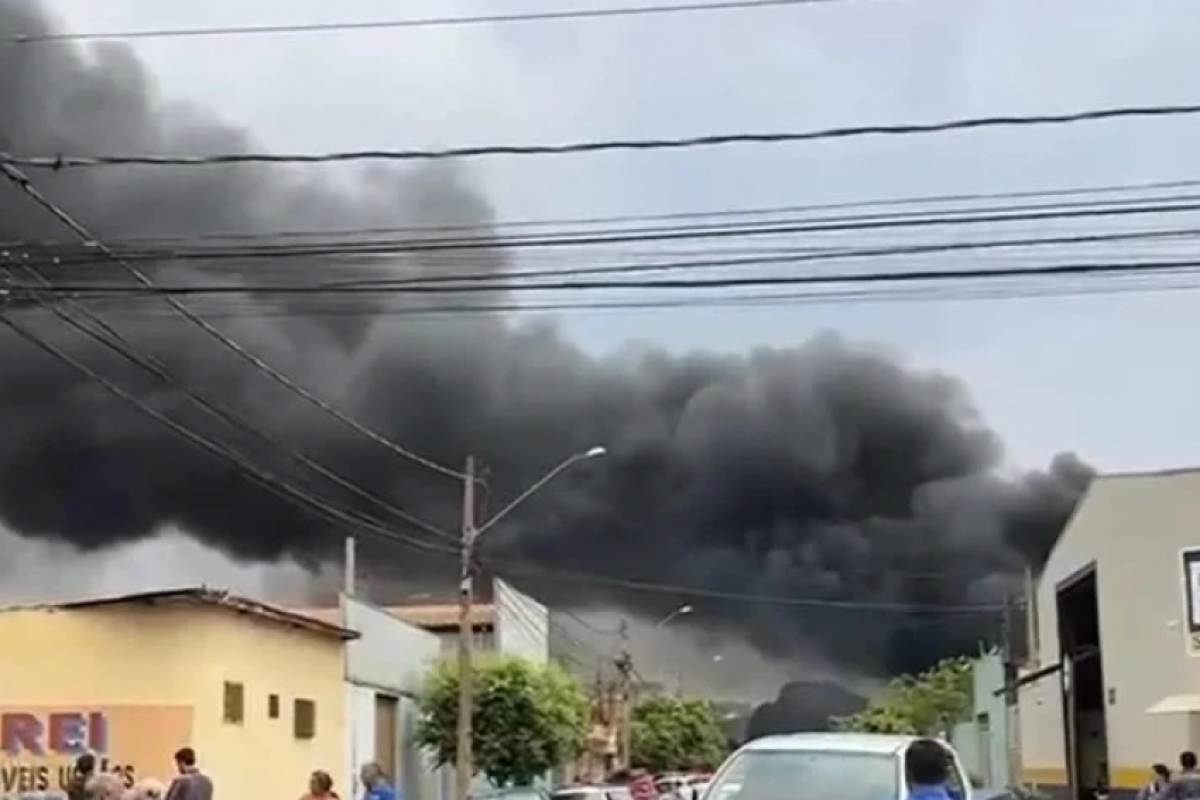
(331, 616)
(215, 598)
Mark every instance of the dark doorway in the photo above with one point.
(1084, 722)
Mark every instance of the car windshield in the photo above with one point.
(806, 775)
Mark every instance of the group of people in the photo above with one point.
(89, 783)
(191, 783)
(1183, 785)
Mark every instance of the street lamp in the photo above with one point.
(470, 536)
(595, 452)
(682, 611)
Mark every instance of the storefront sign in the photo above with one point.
(39, 745)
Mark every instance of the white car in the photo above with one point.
(825, 766)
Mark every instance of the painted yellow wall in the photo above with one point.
(83, 656)
(261, 758)
(172, 661)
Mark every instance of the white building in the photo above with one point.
(386, 665)
(384, 670)
(1112, 683)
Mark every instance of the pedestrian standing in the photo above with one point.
(85, 768)
(375, 784)
(928, 770)
(1160, 776)
(191, 783)
(1186, 784)
(320, 787)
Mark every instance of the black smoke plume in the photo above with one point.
(829, 471)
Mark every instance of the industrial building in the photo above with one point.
(257, 691)
(441, 620)
(513, 622)
(1112, 679)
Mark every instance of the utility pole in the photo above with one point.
(624, 664)
(349, 578)
(466, 634)
(471, 531)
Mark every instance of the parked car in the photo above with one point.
(699, 786)
(591, 792)
(818, 766)
(516, 793)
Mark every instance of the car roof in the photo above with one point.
(590, 788)
(841, 742)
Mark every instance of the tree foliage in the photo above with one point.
(528, 717)
(924, 705)
(676, 733)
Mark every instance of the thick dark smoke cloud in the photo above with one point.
(801, 707)
(827, 471)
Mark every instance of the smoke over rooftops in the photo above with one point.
(831, 471)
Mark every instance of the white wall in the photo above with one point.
(390, 658)
(522, 623)
(1134, 527)
(390, 654)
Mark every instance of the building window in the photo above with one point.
(273, 706)
(304, 719)
(235, 703)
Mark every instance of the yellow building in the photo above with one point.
(255, 689)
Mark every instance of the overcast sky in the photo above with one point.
(1108, 376)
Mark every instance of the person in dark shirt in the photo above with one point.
(85, 768)
(928, 770)
(191, 783)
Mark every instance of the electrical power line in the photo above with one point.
(492, 228)
(287, 491)
(25, 185)
(66, 162)
(760, 300)
(577, 15)
(638, 585)
(112, 340)
(458, 247)
(415, 287)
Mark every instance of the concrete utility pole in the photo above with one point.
(471, 532)
(350, 577)
(466, 635)
(624, 664)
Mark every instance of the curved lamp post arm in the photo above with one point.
(679, 612)
(595, 452)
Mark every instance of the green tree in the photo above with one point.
(924, 704)
(528, 717)
(676, 733)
